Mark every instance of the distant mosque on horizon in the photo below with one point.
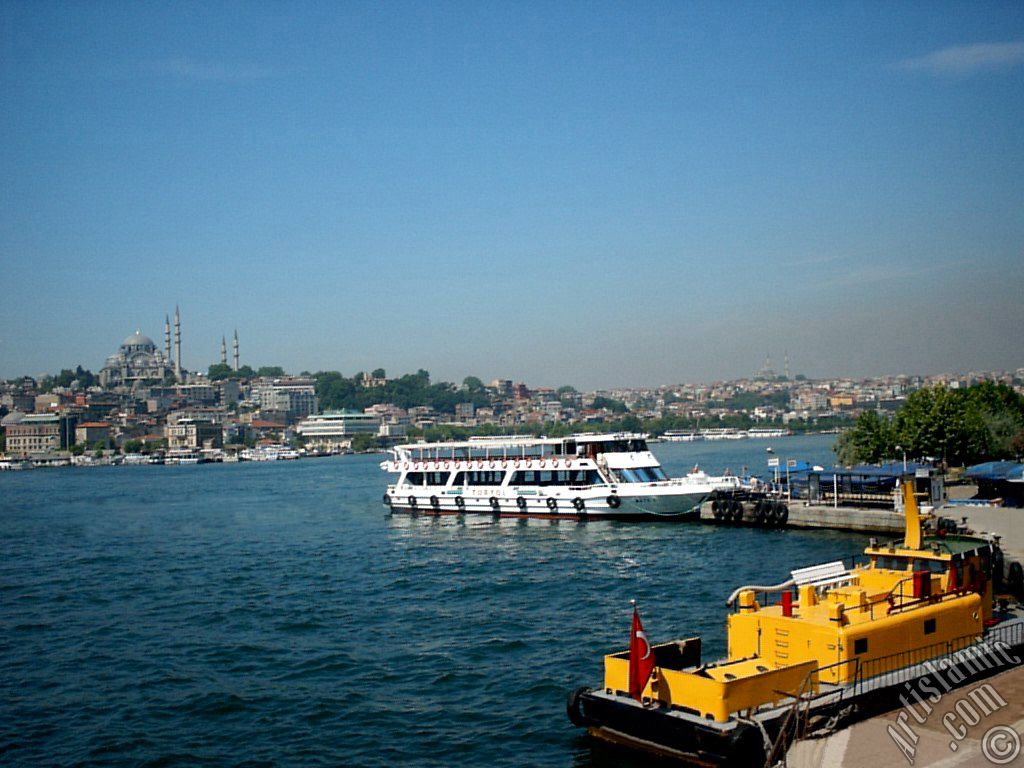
(138, 359)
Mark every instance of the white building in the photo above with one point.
(338, 427)
(294, 397)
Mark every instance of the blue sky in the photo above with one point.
(590, 193)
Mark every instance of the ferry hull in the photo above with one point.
(611, 507)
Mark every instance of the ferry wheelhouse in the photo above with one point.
(840, 643)
(592, 475)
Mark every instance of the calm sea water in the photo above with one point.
(275, 614)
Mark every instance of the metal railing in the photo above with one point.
(882, 672)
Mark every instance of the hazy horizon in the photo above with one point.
(595, 195)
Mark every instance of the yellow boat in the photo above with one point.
(839, 643)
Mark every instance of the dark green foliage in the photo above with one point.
(748, 401)
(336, 392)
(84, 377)
(270, 371)
(362, 442)
(610, 404)
(956, 426)
(872, 439)
(219, 371)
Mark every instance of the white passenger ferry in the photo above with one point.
(606, 476)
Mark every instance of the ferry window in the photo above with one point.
(484, 478)
(636, 446)
(460, 478)
(860, 645)
(929, 626)
(437, 478)
(643, 475)
(414, 478)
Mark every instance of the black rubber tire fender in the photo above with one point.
(460, 502)
(1015, 580)
(614, 501)
(552, 503)
(412, 502)
(521, 502)
(574, 708)
(578, 504)
(737, 510)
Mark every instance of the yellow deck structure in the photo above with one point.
(909, 601)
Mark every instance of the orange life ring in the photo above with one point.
(406, 466)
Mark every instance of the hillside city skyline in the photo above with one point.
(771, 368)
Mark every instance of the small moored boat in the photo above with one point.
(839, 644)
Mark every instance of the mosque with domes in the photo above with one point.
(138, 359)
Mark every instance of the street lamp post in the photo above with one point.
(904, 451)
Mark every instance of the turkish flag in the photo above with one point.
(641, 658)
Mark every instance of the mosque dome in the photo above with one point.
(138, 340)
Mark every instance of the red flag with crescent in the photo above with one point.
(641, 658)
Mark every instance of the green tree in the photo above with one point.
(132, 446)
(609, 404)
(363, 442)
(220, 371)
(270, 371)
(956, 426)
(871, 440)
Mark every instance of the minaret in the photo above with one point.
(167, 338)
(787, 365)
(177, 345)
(236, 349)
(223, 351)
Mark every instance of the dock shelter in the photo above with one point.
(866, 485)
(999, 480)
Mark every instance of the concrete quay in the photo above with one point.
(977, 725)
(802, 515)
